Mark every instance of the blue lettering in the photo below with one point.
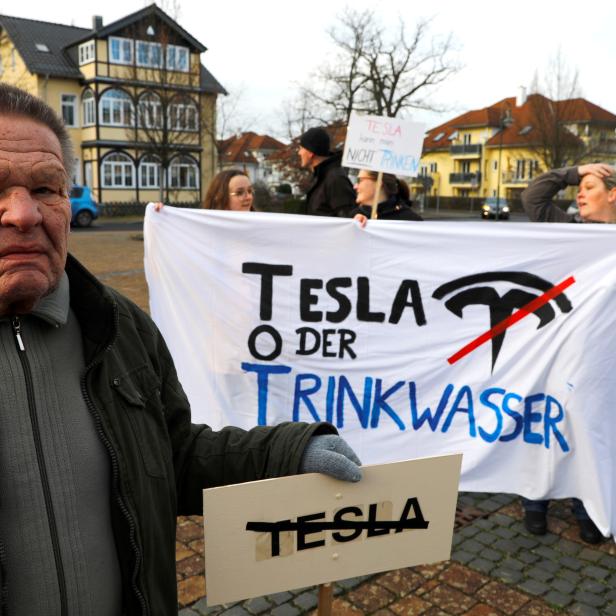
(465, 392)
(379, 403)
(484, 397)
(263, 371)
(362, 410)
(550, 422)
(517, 418)
(329, 400)
(426, 415)
(531, 417)
(304, 395)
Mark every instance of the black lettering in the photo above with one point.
(344, 303)
(327, 343)
(307, 299)
(302, 544)
(347, 338)
(267, 271)
(303, 341)
(276, 540)
(363, 302)
(401, 302)
(374, 530)
(252, 342)
(339, 517)
(412, 504)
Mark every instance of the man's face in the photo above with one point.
(35, 213)
(305, 156)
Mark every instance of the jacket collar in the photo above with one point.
(95, 309)
(53, 308)
(321, 169)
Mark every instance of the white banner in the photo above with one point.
(414, 339)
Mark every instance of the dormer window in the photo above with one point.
(86, 52)
(41, 47)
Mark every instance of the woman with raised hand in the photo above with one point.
(393, 199)
(596, 200)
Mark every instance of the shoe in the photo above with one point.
(589, 532)
(535, 522)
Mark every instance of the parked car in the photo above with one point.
(489, 208)
(83, 207)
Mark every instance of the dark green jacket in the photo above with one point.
(160, 461)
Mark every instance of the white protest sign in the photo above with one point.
(383, 144)
(268, 536)
(392, 334)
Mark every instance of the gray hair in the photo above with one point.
(14, 101)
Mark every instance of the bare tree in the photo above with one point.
(376, 73)
(553, 113)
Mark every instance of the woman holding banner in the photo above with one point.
(596, 200)
(229, 190)
(393, 198)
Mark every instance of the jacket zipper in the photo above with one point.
(116, 474)
(51, 516)
(3, 589)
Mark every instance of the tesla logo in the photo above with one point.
(506, 309)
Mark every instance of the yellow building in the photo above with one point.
(138, 103)
(497, 150)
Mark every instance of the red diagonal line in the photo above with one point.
(522, 312)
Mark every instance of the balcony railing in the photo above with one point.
(465, 149)
(421, 180)
(465, 178)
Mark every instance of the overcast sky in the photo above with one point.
(265, 47)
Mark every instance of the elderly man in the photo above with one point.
(331, 192)
(97, 452)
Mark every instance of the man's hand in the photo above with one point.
(331, 455)
(601, 170)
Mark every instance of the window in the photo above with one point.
(41, 47)
(69, 109)
(433, 167)
(520, 167)
(88, 108)
(150, 111)
(149, 54)
(495, 165)
(149, 172)
(423, 170)
(439, 136)
(116, 108)
(120, 50)
(183, 173)
(467, 139)
(183, 115)
(86, 52)
(118, 171)
(525, 130)
(465, 166)
(177, 58)
(453, 135)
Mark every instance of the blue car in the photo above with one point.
(83, 207)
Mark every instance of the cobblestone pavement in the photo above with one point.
(497, 568)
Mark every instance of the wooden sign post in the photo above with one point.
(279, 534)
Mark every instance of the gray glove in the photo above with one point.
(331, 455)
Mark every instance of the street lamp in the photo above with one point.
(504, 121)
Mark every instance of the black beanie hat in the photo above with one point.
(316, 140)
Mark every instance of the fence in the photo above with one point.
(133, 209)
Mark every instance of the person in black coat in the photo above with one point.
(393, 199)
(331, 192)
